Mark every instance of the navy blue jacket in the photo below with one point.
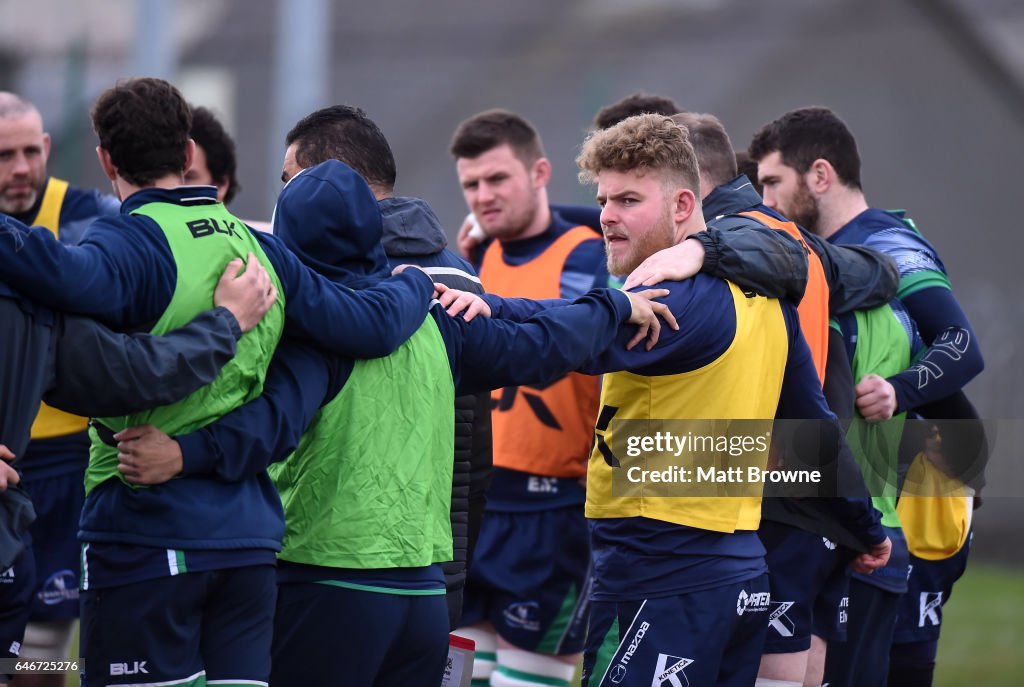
(858, 277)
(124, 271)
(952, 357)
(124, 274)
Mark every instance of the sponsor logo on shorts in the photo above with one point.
(758, 602)
(523, 614)
(779, 621)
(60, 586)
(930, 609)
(618, 672)
(7, 576)
(829, 544)
(15, 648)
(133, 668)
(669, 671)
(542, 485)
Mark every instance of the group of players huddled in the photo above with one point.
(321, 448)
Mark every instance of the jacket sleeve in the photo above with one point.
(755, 258)
(100, 372)
(859, 278)
(122, 272)
(802, 399)
(544, 347)
(244, 442)
(952, 358)
(368, 323)
(520, 309)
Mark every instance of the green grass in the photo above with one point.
(982, 641)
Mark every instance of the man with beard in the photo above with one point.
(79, 365)
(208, 603)
(800, 535)
(809, 166)
(679, 586)
(55, 460)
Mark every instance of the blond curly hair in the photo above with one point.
(642, 143)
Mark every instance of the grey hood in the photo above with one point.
(411, 228)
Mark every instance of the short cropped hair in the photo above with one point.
(632, 105)
(209, 134)
(488, 130)
(12, 105)
(808, 134)
(144, 125)
(345, 133)
(715, 156)
(642, 143)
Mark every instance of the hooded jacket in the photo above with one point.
(413, 234)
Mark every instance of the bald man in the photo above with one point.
(55, 461)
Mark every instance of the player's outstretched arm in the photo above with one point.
(756, 258)
(368, 323)
(859, 278)
(267, 429)
(102, 373)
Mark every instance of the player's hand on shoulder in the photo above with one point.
(645, 314)
(676, 263)
(248, 295)
(456, 302)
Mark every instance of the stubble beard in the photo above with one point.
(19, 205)
(805, 210)
(661, 237)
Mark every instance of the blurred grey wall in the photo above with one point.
(939, 123)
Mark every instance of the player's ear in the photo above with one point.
(106, 163)
(684, 204)
(540, 173)
(190, 154)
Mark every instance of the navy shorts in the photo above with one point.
(58, 500)
(800, 564)
(528, 579)
(919, 617)
(863, 659)
(330, 635)
(831, 608)
(186, 629)
(712, 637)
(16, 584)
